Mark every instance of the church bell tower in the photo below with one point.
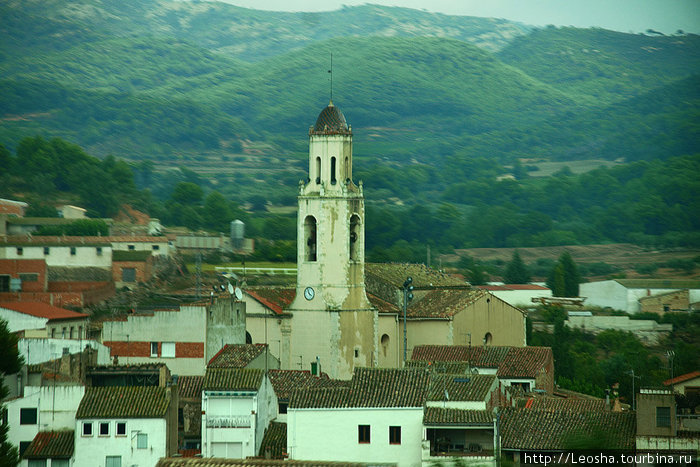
(333, 322)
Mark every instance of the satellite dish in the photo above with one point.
(230, 289)
(239, 294)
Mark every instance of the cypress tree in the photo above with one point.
(516, 272)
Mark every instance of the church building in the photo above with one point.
(334, 323)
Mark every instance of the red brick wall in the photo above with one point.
(11, 208)
(15, 267)
(143, 349)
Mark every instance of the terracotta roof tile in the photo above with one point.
(55, 240)
(42, 310)
(512, 362)
(369, 387)
(512, 287)
(286, 381)
(443, 416)
(190, 387)
(50, 444)
(461, 387)
(381, 305)
(443, 303)
(275, 440)
(124, 402)
(274, 298)
(558, 404)
(681, 378)
(423, 276)
(232, 379)
(236, 355)
(539, 430)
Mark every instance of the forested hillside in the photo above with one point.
(452, 117)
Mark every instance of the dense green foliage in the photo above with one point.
(221, 97)
(564, 279)
(516, 271)
(590, 364)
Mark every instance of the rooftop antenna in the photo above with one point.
(331, 73)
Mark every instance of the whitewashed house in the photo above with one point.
(43, 408)
(125, 426)
(519, 295)
(376, 417)
(237, 406)
(44, 319)
(624, 294)
(185, 338)
(64, 251)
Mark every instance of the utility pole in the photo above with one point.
(407, 295)
(634, 397)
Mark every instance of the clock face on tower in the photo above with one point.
(309, 293)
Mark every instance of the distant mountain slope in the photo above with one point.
(604, 65)
(237, 32)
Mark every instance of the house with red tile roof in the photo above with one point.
(125, 425)
(526, 368)
(55, 447)
(376, 416)
(39, 319)
(444, 311)
(687, 384)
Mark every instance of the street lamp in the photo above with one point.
(407, 295)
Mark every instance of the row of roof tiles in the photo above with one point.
(511, 362)
(42, 310)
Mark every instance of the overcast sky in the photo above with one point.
(666, 16)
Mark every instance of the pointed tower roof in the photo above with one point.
(331, 121)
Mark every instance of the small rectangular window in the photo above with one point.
(87, 428)
(156, 247)
(113, 461)
(131, 247)
(4, 283)
(47, 250)
(104, 428)
(38, 463)
(128, 274)
(142, 441)
(72, 251)
(154, 349)
(20, 251)
(98, 250)
(29, 277)
(121, 428)
(60, 462)
(283, 407)
(663, 416)
(363, 434)
(167, 350)
(63, 333)
(27, 416)
(394, 435)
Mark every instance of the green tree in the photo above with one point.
(187, 193)
(10, 363)
(565, 278)
(516, 271)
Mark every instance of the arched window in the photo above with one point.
(310, 236)
(354, 236)
(488, 338)
(385, 343)
(318, 170)
(347, 170)
(333, 169)
(248, 338)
